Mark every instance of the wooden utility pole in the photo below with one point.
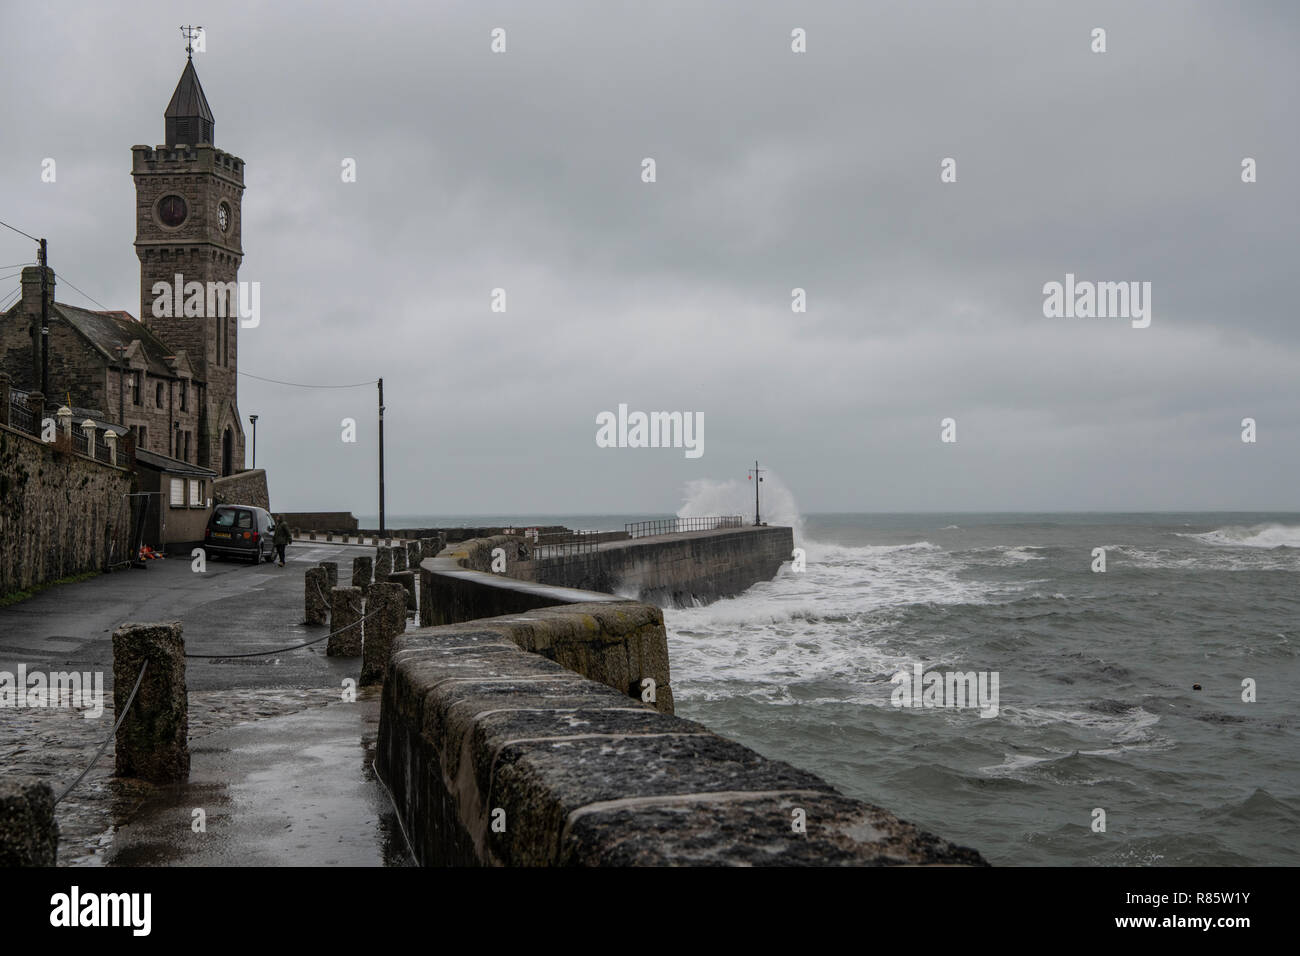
(381, 456)
(45, 324)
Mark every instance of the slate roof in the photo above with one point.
(173, 466)
(107, 330)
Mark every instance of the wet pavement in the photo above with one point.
(280, 763)
(297, 790)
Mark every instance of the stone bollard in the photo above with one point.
(316, 591)
(363, 572)
(383, 563)
(414, 554)
(345, 623)
(387, 604)
(399, 557)
(151, 740)
(28, 834)
(406, 579)
(425, 587)
(331, 572)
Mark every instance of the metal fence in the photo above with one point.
(643, 529)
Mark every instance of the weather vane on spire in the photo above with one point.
(191, 34)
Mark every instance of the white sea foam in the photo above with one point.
(1256, 536)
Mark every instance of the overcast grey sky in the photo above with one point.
(775, 170)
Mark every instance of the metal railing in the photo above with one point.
(20, 416)
(562, 544)
(25, 419)
(643, 529)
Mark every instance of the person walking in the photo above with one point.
(282, 538)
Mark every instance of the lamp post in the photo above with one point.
(253, 420)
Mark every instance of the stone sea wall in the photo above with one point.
(521, 730)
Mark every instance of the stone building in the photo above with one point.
(172, 375)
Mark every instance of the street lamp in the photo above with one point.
(253, 419)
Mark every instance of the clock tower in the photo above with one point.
(187, 215)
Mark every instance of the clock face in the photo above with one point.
(172, 210)
(223, 217)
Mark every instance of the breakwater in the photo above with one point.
(543, 735)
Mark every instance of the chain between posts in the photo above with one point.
(102, 747)
(295, 647)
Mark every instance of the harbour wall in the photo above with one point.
(518, 729)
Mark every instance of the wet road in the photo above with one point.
(231, 607)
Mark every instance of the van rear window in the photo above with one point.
(232, 518)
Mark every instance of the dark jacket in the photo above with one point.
(282, 536)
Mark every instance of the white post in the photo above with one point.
(110, 437)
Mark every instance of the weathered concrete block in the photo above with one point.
(383, 563)
(408, 580)
(316, 590)
(399, 558)
(429, 547)
(152, 738)
(414, 552)
(386, 618)
(345, 623)
(28, 834)
(331, 572)
(362, 572)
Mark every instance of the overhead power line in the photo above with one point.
(276, 381)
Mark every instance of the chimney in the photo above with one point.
(32, 289)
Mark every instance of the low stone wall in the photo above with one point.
(618, 642)
(61, 513)
(343, 521)
(498, 756)
(245, 488)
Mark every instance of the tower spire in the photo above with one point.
(188, 118)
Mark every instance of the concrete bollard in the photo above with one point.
(152, 738)
(399, 557)
(316, 591)
(406, 579)
(28, 834)
(383, 563)
(387, 604)
(362, 572)
(414, 553)
(345, 623)
(331, 572)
